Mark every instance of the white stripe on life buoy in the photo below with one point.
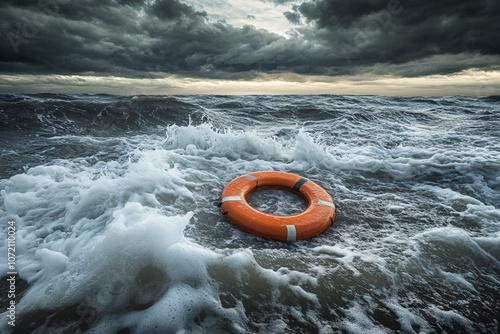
(230, 198)
(291, 233)
(326, 203)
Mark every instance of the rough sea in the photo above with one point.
(113, 204)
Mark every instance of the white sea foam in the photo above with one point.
(92, 233)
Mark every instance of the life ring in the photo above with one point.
(319, 214)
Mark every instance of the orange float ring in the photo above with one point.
(313, 220)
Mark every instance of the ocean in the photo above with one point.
(110, 220)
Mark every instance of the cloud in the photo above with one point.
(279, 2)
(394, 31)
(130, 38)
(157, 38)
(293, 17)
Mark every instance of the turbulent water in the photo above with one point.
(114, 200)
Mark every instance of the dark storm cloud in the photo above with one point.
(129, 38)
(293, 17)
(138, 38)
(394, 31)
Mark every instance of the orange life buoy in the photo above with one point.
(313, 220)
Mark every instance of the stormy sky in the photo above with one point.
(393, 47)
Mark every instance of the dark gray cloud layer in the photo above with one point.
(393, 31)
(139, 38)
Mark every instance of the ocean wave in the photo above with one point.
(118, 230)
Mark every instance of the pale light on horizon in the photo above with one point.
(468, 82)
